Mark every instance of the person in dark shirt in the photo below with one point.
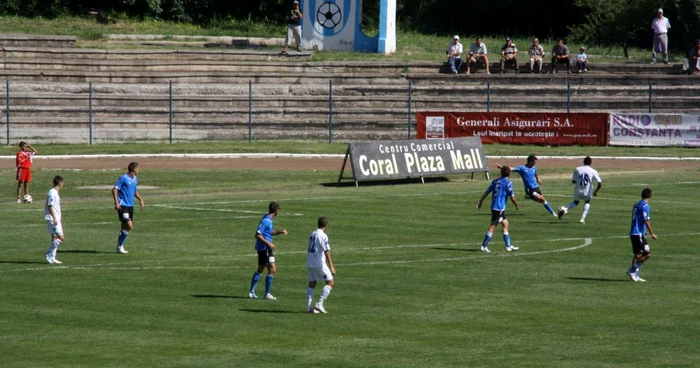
(293, 27)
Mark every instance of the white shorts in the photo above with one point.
(293, 32)
(320, 274)
(54, 230)
(582, 197)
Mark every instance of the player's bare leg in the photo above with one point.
(126, 227)
(637, 262)
(56, 240)
(506, 237)
(488, 236)
(586, 207)
(541, 199)
(19, 192)
(271, 270)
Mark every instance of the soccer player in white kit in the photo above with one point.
(319, 251)
(583, 191)
(52, 215)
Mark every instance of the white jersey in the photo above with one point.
(318, 244)
(584, 177)
(53, 200)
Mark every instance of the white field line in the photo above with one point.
(309, 155)
(185, 155)
(125, 265)
(364, 197)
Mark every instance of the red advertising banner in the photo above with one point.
(554, 129)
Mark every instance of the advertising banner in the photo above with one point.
(630, 129)
(556, 129)
(415, 158)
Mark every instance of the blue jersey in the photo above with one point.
(501, 190)
(264, 229)
(640, 214)
(126, 189)
(528, 175)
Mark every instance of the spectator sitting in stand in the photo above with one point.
(477, 52)
(509, 52)
(582, 60)
(454, 53)
(560, 55)
(536, 56)
(695, 58)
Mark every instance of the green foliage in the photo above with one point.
(628, 23)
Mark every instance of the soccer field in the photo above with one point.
(412, 288)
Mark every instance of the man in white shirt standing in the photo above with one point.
(319, 251)
(52, 215)
(454, 54)
(660, 26)
(478, 52)
(583, 191)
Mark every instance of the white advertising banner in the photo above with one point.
(634, 129)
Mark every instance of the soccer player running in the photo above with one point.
(531, 180)
(502, 189)
(319, 251)
(123, 193)
(52, 215)
(638, 234)
(583, 191)
(24, 168)
(265, 248)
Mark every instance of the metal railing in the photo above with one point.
(256, 101)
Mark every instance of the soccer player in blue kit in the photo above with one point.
(264, 247)
(502, 189)
(124, 191)
(638, 234)
(531, 180)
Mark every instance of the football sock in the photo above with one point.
(586, 207)
(487, 239)
(254, 282)
(122, 237)
(309, 295)
(570, 206)
(548, 207)
(268, 284)
(54, 247)
(324, 294)
(506, 238)
(637, 265)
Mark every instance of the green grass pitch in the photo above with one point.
(412, 289)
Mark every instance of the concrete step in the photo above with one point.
(204, 104)
(195, 77)
(339, 79)
(593, 67)
(9, 53)
(108, 134)
(224, 93)
(139, 58)
(18, 40)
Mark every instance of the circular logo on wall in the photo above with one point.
(646, 120)
(329, 15)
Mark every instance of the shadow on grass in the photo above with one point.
(348, 182)
(23, 262)
(206, 296)
(273, 311)
(599, 279)
(81, 251)
(458, 249)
